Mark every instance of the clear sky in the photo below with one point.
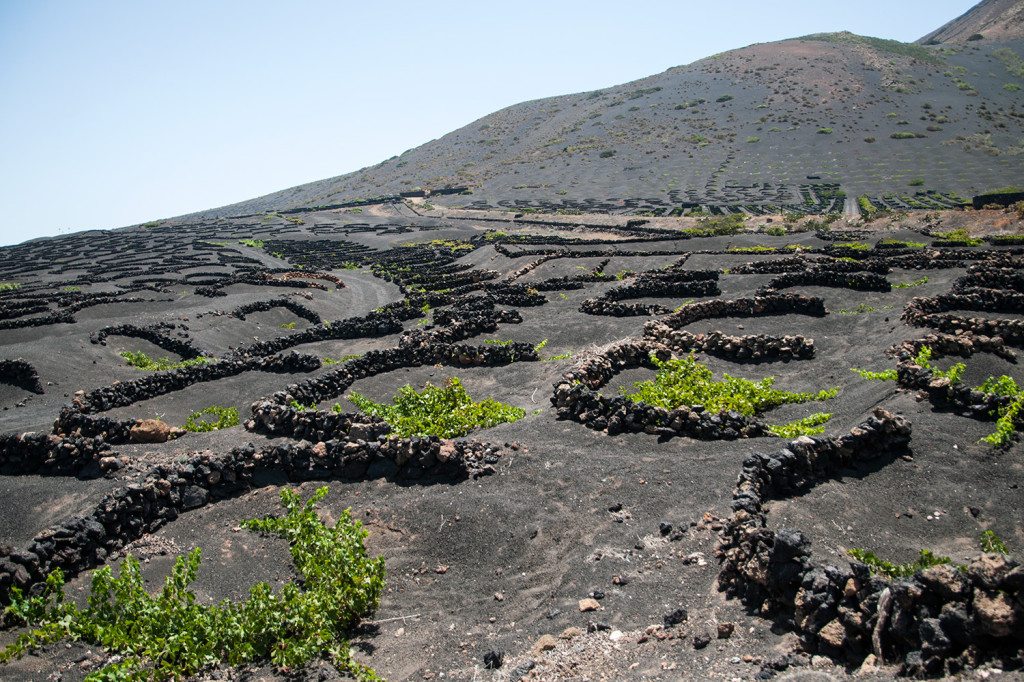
(116, 113)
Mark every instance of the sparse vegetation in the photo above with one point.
(862, 309)
(174, 635)
(992, 543)
(882, 45)
(915, 283)
(685, 381)
(960, 237)
(853, 246)
(884, 375)
(445, 411)
(9, 286)
(213, 418)
(288, 325)
(328, 361)
(926, 559)
(808, 426)
(752, 249)
(954, 373)
(140, 360)
(1008, 416)
(902, 244)
(252, 243)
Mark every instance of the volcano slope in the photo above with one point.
(595, 538)
(802, 123)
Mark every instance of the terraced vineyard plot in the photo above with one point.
(588, 493)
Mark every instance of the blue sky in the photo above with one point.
(116, 113)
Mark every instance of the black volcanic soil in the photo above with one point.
(497, 562)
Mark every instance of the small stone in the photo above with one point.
(589, 604)
(725, 630)
(616, 635)
(869, 666)
(833, 634)
(399, 632)
(675, 618)
(544, 643)
(996, 615)
(498, 596)
(821, 662)
(441, 569)
(493, 659)
(701, 640)
(571, 632)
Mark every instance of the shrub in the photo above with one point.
(916, 182)
(445, 411)
(724, 98)
(923, 359)
(607, 154)
(904, 135)
(685, 381)
(753, 139)
(859, 309)
(824, 131)
(9, 286)
(328, 361)
(884, 375)
(1006, 423)
(887, 568)
(853, 246)
(902, 244)
(808, 426)
(223, 418)
(992, 543)
(916, 283)
(254, 243)
(752, 249)
(172, 635)
(775, 231)
(140, 360)
(958, 236)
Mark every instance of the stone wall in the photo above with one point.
(940, 621)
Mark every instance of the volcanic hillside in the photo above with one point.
(800, 123)
(988, 20)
